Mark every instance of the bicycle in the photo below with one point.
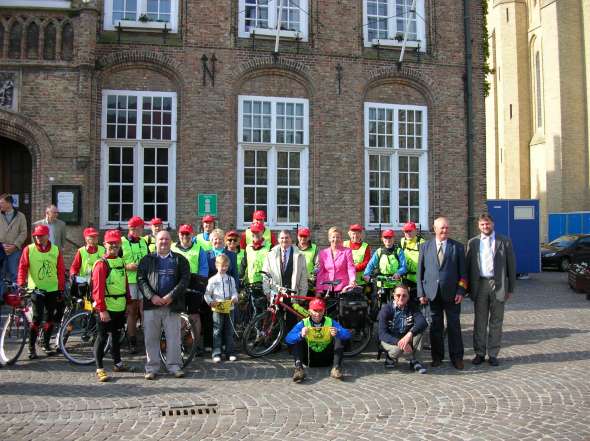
(380, 294)
(252, 301)
(265, 332)
(79, 334)
(15, 330)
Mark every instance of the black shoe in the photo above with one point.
(32, 354)
(436, 362)
(493, 361)
(478, 359)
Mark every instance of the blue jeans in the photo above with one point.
(9, 269)
(222, 334)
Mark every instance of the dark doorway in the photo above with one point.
(16, 167)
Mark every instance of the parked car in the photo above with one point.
(560, 252)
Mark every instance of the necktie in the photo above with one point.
(440, 254)
(489, 257)
(283, 260)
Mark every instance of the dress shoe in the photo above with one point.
(493, 361)
(458, 364)
(436, 362)
(478, 359)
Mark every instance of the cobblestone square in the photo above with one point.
(541, 390)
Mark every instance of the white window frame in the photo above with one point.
(272, 21)
(394, 154)
(138, 144)
(392, 28)
(109, 25)
(40, 4)
(273, 148)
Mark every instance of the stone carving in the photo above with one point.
(7, 92)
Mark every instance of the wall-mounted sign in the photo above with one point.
(67, 200)
(207, 204)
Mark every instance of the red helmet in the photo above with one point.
(317, 305)
(259, 215)
(186, 229)
(388, 233)
(156, 221)
(90, 232)
(41, 230)
(303, 232)
(409, 226)
(112, 236)
(135, 222)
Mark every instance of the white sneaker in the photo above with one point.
(232, 358)
(216, 359)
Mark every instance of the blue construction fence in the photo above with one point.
(576, 222)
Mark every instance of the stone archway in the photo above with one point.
(16, 169)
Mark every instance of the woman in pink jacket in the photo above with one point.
(335, 263)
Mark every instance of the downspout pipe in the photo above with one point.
(468, 85)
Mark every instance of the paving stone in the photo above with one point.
(539, 391)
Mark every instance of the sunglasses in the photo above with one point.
(401, 296)
(232, 240)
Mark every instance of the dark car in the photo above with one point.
(560, 252)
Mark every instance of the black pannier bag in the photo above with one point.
(353, 309)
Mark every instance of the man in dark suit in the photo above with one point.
(441, 280)
(492, 277)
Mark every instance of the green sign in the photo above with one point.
(207, 204)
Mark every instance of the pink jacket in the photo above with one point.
(341, 267)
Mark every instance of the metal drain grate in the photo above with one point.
(209, 409)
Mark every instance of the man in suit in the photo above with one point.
(287, 267)
(57, 227)
(441, 280)
(492, 277)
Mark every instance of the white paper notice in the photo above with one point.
(65, 202)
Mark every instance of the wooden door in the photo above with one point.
(16, 174)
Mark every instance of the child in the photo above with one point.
(221, 295)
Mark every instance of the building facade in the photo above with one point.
(538, 109)
(145, 104)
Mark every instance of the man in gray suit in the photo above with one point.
(492, 278)
(57, 227)
(441, 281)
(288, 268)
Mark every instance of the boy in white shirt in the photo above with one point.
(221, 295)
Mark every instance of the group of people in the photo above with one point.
(151, 278)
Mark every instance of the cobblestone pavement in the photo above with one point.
(541, 390)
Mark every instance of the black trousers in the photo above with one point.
(44, 310)
(114, 327)
(331, 356)
(438, 307)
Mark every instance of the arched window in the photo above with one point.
(67, 42)
(538, 91)
(1, 40)
(15, 40)
(49, 46)
(33, 40)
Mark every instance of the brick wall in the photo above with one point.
(64, 99)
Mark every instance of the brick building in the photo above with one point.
(144, 104)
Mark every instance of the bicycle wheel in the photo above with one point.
(263, 334)
(77, 337)
(360, 339)
(188, 338)
(13, 337)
